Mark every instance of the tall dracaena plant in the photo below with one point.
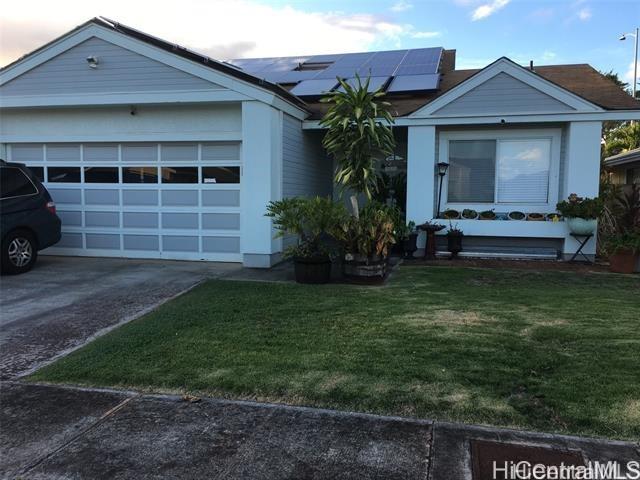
(358, 129)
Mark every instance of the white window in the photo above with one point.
(501, 168)
(523, 171)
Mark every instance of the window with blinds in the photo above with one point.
(499, 171)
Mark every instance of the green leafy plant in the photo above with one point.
(579, 207)
(450, 213)
(487, 215)
(627, 241)
(312, 220)
(469, 214)
(370, 233)
(358, 130)
(403, 231)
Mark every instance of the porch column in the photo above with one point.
(421, 160)
(261, 183)
(582, 171)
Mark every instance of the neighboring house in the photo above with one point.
(151, 150)
(624, 168)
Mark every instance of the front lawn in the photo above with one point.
(552, 351)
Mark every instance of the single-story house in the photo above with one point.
(152, 150)
(624, 168)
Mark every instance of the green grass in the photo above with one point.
(551, 351)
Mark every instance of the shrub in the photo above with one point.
(579, 207)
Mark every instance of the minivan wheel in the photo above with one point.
(19, 252)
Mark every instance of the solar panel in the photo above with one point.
(374, 83)
(314, 87)
(412, 83)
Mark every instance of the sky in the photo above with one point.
(545, 31)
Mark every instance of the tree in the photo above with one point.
(621, 139)
(358, 130)
(615, 78)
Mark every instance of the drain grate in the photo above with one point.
(485, 455)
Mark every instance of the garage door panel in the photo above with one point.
(103, 241)
(141, 242)
(102, 219)
(70, 240)
(63, 153)
(140, 220)
(100, 153)
(180, 220)
(175, 200)
(101, 197)
(221, 244)
(180, 243)
(221, 198)
(140, 197)
(70, 218)
(65, 195)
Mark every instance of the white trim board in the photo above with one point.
(138, 46)
(504, 65)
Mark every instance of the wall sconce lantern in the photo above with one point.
(442, 171)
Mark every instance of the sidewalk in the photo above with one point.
(57, 432)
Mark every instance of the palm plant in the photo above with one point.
(623, 138)
(358, 130)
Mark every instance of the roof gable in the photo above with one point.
(505, 88)
(503, 94)
(118, 70)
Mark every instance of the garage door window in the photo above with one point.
(220, 174)
(101, 174)
(180, 175)
(38, 172)
(64, 174)
(140, 175)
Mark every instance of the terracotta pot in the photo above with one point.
(623, 261)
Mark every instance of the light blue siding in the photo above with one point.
(503, 94)
(119, 70)
(306, 169)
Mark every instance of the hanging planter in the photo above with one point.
(515, 215)
(469, 214)
(488, 215)
(451, 214)
(535, 217)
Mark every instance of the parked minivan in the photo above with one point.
(28, 220)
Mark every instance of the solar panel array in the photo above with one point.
(397, 71)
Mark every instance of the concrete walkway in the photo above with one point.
(56, 432)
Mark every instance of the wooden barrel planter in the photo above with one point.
(312, 270)
(365, 269)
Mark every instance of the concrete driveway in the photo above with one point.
(66, 301)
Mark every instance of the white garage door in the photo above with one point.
(150, 200)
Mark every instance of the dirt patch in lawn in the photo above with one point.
(445, 317)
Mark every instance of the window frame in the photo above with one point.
(552, 134)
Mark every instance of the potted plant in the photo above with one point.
(469, 214)
(554, 217)
(454, 240)
(451, 214)
(623, 250)
(410, 239)
(581, 213)
(621, 222)
(535, 217)
(366, 239)
(487, 215)
(516, 215)
(314, 221)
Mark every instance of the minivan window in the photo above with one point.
(14, 183)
